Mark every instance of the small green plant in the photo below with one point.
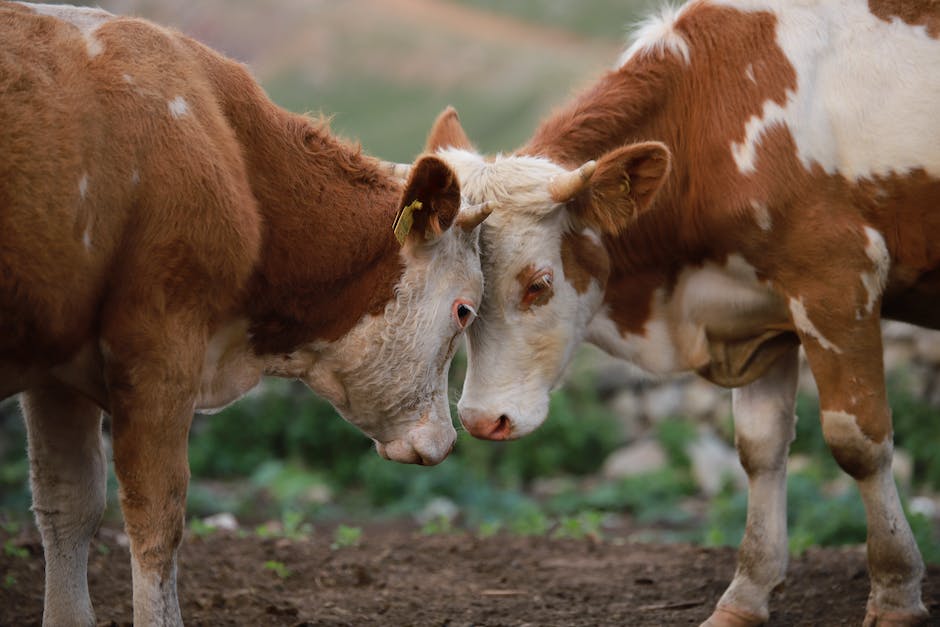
(10, 549)
(489, 529)
(530, 523)
(200, 529)
(11, 527)
(291, 526)
(102, 548)
(346, 536)
(584, 525)
(437, 526)
(9, 581)
(278, 568)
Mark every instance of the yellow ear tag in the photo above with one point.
(405, 220)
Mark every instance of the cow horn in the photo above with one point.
(398, 170)
(472, 217)
(564, 186)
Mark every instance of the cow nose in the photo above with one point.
(486, 426)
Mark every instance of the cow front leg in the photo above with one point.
(152, 384)
(764, 427)
(68, 475)
(845, 356)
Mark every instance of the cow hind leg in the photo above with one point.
(68, 479)
(764, 421)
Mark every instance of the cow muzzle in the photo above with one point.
(487, 425)
(426, 446)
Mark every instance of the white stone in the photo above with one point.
(437, 508)
(714, 462)
(223, 520)
(639, 458)
(663, 401)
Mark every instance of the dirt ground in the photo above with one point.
(396, 576)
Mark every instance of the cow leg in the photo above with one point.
(152, 379)
(846, 359)
(68, 474)
(764, 425)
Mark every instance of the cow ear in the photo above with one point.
(624, 184)
(446, 132)
(430, 202)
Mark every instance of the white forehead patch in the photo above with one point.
(519, 181)
(178, 107)
(658, 34)
(866, 91)
(86, 238)
(85, 19)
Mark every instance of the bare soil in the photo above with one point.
(396, 576)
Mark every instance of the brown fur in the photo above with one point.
(814, 252)
(583, 261)
(915, 13)
(150, 194)
(446, 132)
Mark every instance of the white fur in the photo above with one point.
(745, 152)
(506, 340)
(802, 322)
(866, 91)
(86, 238)
(388, 374)
(658, 35)
(764, 426)
(749, 73)
(83, 186)
(725, 300)
(874, 282)
(762, 215)
(85, 19)
(155, 598)
(178, 107)
(890, 541)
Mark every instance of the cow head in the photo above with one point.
(388, 374)
(544, 264)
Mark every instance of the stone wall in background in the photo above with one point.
(640, 403)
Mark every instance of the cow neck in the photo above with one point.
(691, 107)
(328, 255)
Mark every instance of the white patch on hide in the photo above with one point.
(85, 19)
(865, 102)
(178, 107)
(658, 35)
(805, 325)
(875, 281)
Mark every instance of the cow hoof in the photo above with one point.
(874, 618)
(725, 616)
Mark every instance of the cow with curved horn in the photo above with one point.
(783, 195)
(168, 236)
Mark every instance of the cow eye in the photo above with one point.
(463, 313)
(539, 289)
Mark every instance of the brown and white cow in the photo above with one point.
(167, 237)
(800, 208)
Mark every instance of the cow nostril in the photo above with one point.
(502, 428)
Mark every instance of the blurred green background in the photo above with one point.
(620, 455)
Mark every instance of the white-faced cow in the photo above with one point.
(167, 237)
(800, 208)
